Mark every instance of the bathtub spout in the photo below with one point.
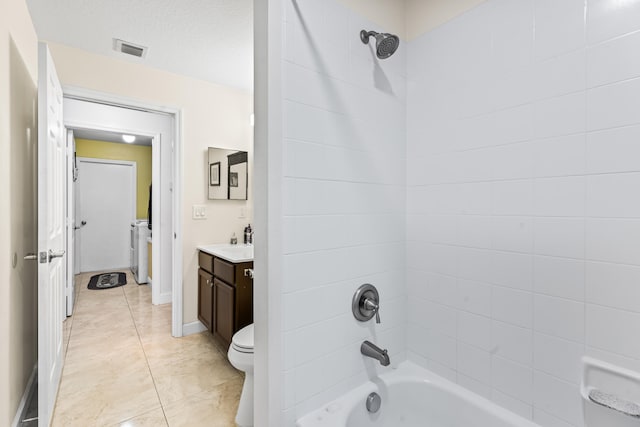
(369, 349)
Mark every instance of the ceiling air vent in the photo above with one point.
(129, 48)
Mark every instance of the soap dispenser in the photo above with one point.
(234, 239)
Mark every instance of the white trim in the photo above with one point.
(75, 92)
(25, 396)
(268, 188)
(177, 329)
(193, 328)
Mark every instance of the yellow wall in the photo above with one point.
(140, 154)
(18, 204)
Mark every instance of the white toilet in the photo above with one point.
(241, 357)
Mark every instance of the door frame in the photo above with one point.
(177, 160)
(77, 190)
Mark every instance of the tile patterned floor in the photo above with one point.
(123, 368)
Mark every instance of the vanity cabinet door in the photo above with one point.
(224, 303)
(205, 298)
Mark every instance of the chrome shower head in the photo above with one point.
(386, 44)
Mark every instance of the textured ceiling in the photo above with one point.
(210, 40)
(99, 135)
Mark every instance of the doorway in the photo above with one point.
(105, 113)
(105, 208)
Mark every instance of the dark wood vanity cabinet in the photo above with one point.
(225, 296)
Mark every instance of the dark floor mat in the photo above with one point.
(107, 280)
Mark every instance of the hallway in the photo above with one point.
(123, 368)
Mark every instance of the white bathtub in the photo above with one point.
(413, 397)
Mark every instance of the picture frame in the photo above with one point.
(214, 174)
(233, 179)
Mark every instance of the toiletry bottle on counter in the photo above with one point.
(234, 239)
(246, 234)
(250, 237)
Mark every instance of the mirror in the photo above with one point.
(228, 174)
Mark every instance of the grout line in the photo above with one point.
(153, 380)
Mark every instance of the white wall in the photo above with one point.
(343, 200)
(523, 222)
(18, 204)
(213, 115)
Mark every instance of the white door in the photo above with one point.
(51, 234)
(70, 215)
(106, 206)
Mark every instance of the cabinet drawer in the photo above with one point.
(224, 270)
(205, 261)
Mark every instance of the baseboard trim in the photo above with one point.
(164, 299)
(25, 397)
(193, 328)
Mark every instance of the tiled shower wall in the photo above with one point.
(523, 227)
(344, 201)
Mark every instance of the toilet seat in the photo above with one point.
(242, 340)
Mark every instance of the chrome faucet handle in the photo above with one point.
(373, 306)
(366, 303)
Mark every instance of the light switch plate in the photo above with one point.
(243, 213)
(199, 212)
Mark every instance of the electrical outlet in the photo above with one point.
(243, 213)
(199, 212)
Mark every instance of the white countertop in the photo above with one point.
(231, 253)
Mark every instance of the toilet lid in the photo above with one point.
(243, 339)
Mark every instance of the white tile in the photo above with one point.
(613, 330)
(439, 229)
(512, 197)
(610, 62)
(512, 161)
(559, 277)
(512, 306)
(474, 231)
(561, 237)
(474, 264)
(560, 75)
(302, 122)
(545, 419)
(474, 363)
(559, 156)
(613, 195)
(613, 240)
(512, 269)
(614, 105)
(559, 317)
(512, 342)
(559, 116)
(514, 125)
(559, 196)
(474, 198)
(512, 379)
(613, 285)
(479, 388)
(608, 19)
(559, 27)
(558, 398)
(474, 330)
(474, 297)
(613, 150)
(514, 405)
(558, 357)
(512, 234)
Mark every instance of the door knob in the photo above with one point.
(31, 256)
(53, 255)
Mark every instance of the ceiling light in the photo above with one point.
(128, 138)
